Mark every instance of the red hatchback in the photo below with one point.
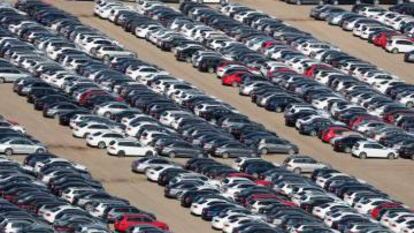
(382, 39)
(332, 132)
(130, 220)
(233, 79)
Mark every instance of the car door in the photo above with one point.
(379, 151)
(19, 146)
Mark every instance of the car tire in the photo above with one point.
(278, 109)
(298, 2)
(225, 155)
(313, 133)
(2, 80)
(363, 155)
(86, 135)
(8, 152)
(149, 153)
(188, 59)
(348, 150)
(394, 50)
(297, 170)
(412, 157)
(172, 154)
(101, 145)
(264, 151)
(409, 104)
(107, 114)
(234, 84)
(336, 2)
(40, 150)
(211, 70)
(121, 153)
(391, 156)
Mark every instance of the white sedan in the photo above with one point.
(84, 130)
(11, 146)
(102, 139)
(110, 108)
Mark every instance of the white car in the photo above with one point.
(50, 214)
(153, 173)
(400, 45)
(129, 148)
(368, 149)
(111, 108)
(197, 207)
(84, 130)
(10, 74)
(102, 139)
(11, 146)
(302, 164)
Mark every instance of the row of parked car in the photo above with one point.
(14, 140)
(406, 8)
(255, 77)
(256, 195)
(387, 29)
(48, 194)
(285, 76)
(163, 128)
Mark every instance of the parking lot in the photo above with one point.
(393, 177)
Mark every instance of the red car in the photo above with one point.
(391, 116)
(129, 220)
(332, 132)
(358, 120)
(382, 39)
(233, 79)
(311, 70)
(378, 211)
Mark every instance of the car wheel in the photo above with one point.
(278, 109)
(412, 157)
(106, 58)
(107, 115)
(394, 50)
(410, 104)
(172, 155)
(211, 70)
(391, 156)
(298, 2)
(297, 170)
(347, 150)
(225, 155)
(363, 155)
(101, 145)
(188, 59)
(121, 153)
(2, 80)
(336, 2)
(235, 84)
(8, 152)
(291, 152)
(86, 135)
(313, 133)
(149, 153)
(40, 150)
(264, 151)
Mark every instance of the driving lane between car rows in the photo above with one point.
(390, 176)
(114, 173)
